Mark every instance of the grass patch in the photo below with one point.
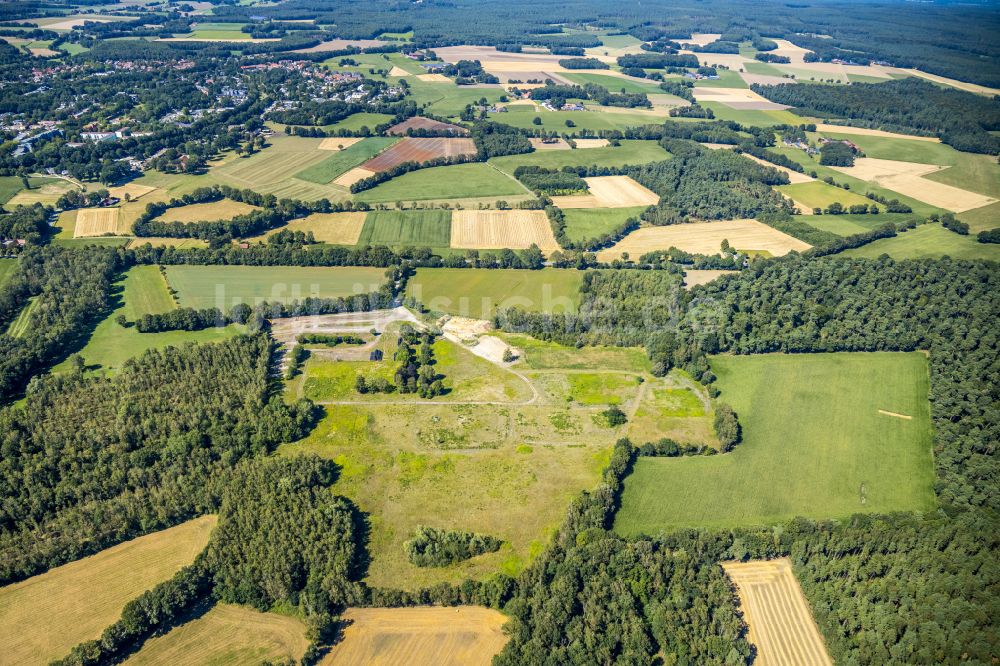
(752, 116)
(431, 228)
(727, 79)
(479, 293)
(523, 117)
(585, 223)
(225, 286)
(927, 240)
(447, 182)
(629, 152)
(448, 99)
(356, 121)
(982, 219)
(344, 160)
(591, 388)
(815, 445)
(541, 355)
(818, 194)
(44, 617)
(613, 83)
(7, 267)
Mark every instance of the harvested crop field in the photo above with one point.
(590, 143)
(499, 229)
(341, 44)
(333, 228)
(336, 164)
(421, 123)
(794, 177)
(464, 635)
(609, 192)
(354, 175)
(160, 241)
(692, 278)
(907, 179)
(549, 144)
(412, 149)
(781, 624)
(864, 131)
(133, 190)
(705, 238)
(433, 78)
(224, 209)
(43, 617)
(227, 634)
(338, 143)
(96, 222)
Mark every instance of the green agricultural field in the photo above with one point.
(982, 219)
(727, 79)
(613, 83)
(273, 170)
(928, 240)
(523, 117)
(459, 181)
(629, 152)
(848, 225)
(814, 444)
(762, 68)
(751, 116)
(619, 41)
(341, 161)
(7, 267)
(448, 99)
(356, 121)
(431, 228)
(479, 293)
(210, 31)
(585, 223)
(225, 286)
(818, 194)
(143, 291)
(44, 617)
(11, 185)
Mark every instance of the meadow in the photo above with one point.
(818, 194)
(431, 228)
(45, 616)
(585, 223)
(342, 161)
(629, 152)
(613, 83)
(6, 268)
(815, 444)
(448, 99)
(523, 117)
(927, 240)
(225, 286)
(142, 291)
(273, 170)
(358, 120)
(479, 293)
(446, 182)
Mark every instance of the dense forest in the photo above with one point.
(90, 461)
(961, 119)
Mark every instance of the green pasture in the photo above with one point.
(430, 228)
(629, 152)
(928, 240)
(342, 161)
(586, 223)
(479, 293)
(474, 179)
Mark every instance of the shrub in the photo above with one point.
(432, 547)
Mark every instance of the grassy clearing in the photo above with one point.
(479, 293)
(727, 79)
(7, 267)
(541, 355)
(447, 182)
(42, 618)
(752, 116)
(431, 228)
(394, 468)
(345, 160)
(982, 219)
(613, 83)
(818, 194)
(11, 185)
(629, 152)
(848, 225)
(584, 223)
(358, 120)
(523, 116)
(19, 326)
(815, 445)
(225, 286)
(45, 191)
(273, 170)
(142, 291)
(447, 99)
(928, 240)
(227, 634)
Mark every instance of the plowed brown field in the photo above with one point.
(413, 149)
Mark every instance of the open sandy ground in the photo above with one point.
(961, 85)
(701, 38)
(781, 624)
(794, 53)
(471, 334)
(337, 143)
(609, 192)
(499, 229)
(705, 238)
(354, 175)
(907, 179)
(287, 329)
(464, 635)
